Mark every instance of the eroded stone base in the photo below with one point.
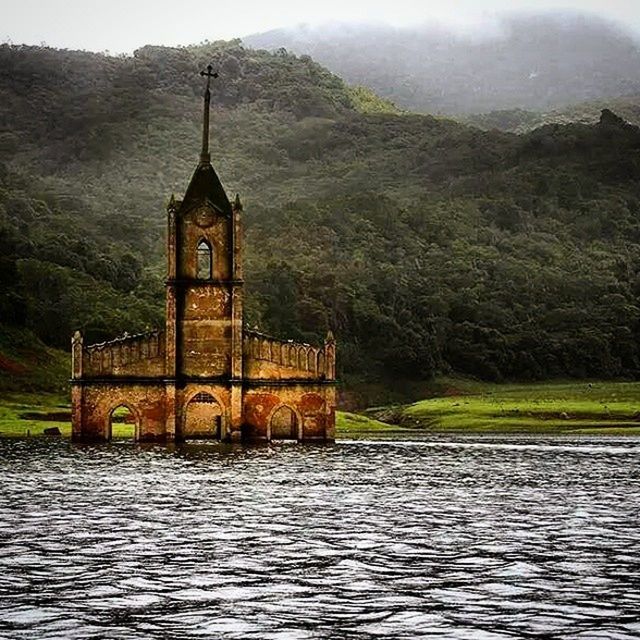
(164, 412)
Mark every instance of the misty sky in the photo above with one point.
(124, 25)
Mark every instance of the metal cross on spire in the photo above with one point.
(208, 73)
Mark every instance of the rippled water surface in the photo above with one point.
(497, 539)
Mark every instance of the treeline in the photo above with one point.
(423, 244)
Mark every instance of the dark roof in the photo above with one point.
(205, 186)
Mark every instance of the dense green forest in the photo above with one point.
(426, 245)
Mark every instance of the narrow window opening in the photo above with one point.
(205, 260)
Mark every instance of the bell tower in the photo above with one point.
(204, 289)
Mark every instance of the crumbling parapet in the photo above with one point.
(318, 362)
(117, 356)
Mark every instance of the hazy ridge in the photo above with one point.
(535, 62)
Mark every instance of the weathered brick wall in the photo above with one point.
(204, 323)
(216, 231)
(313, 405)
(95, 403)
(205, 331)
(140, 355)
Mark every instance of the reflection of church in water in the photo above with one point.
(205, 375)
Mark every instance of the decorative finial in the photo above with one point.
(172, 202)
(237, 205)
(208, 73)
(329, 339)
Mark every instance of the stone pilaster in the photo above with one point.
(235, 426)
(171, 293)
(76, 356)
(171, 415)
(76, 387)
(237, 293)
(76, 411)
(237, 239)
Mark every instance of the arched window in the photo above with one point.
(205, 260)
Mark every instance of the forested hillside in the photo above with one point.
(520, 121)
(424, 244)
(536, 62)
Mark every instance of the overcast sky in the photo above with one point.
(123, 25)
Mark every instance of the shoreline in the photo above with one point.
(461, 407)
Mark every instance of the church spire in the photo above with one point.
(205, 187)
(205, 156)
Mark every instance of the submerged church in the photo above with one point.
(205, 375)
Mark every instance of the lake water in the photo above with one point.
(515, 538)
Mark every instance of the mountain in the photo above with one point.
(534, 62)
(424, 244)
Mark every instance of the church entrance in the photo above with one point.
(284, 424)
(203, 418)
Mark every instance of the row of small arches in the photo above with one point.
(301, 357)
(112, 355)
(124, 422)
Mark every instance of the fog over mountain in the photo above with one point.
(527, 61)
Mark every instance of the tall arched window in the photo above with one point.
(205, 260)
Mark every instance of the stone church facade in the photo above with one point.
(205, 375)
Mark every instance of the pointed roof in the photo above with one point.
(205, 188)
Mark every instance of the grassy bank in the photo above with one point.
(558, 407)
(29, 414)
(598, 408)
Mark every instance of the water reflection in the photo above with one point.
(502, 538)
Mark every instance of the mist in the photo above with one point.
(121, 26)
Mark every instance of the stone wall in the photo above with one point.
(313, 405)
(204, 331)
(267, 358)
(140, 355)
(96, 402)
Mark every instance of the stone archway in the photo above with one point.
(122, 423)
(284, 424)
(203, 418)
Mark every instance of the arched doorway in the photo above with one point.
(203, 418)
(123, 424)
(284, 424)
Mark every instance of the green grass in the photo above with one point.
(20, 416)
(558, 407)
(13, 408)
(354, 425)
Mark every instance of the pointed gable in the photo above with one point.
(205, 188)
